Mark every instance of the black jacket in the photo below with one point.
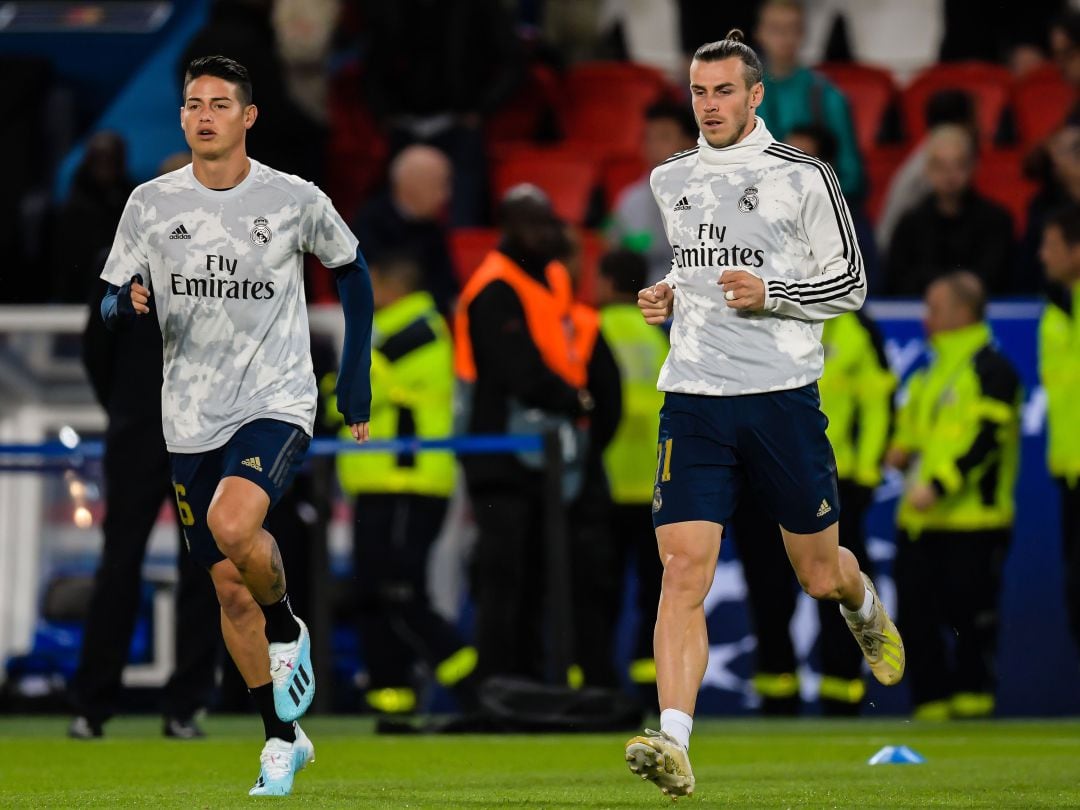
(928, 244)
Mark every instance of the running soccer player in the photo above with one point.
(764, 250)
(220, 245)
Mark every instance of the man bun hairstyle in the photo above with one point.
(221, 67)
(733, 45)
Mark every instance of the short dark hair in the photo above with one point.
(1067, 219)
(402, 266)
(950, 106)
(625, 269)
(733, 45)
(223, 68)
(968, 289)
(667, 110)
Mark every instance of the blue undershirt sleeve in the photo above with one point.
(116, 308)
(358, 304)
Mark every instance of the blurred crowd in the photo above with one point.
(967, 143)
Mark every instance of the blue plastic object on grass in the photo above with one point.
(896, 755)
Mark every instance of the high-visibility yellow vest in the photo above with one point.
(856, 394)
(639, 349)
(412, 384)
(939, 421)
(1059, 371)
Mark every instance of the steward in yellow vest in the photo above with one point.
(958, 438)
(400, 499)
(856, 395)
(630, 458)
(1059, 370)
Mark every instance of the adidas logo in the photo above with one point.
(823, 510)
(180, 233)
(256, 464)
(682, 205)
(300, 685)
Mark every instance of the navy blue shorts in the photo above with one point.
(266, 452)
(711, 447)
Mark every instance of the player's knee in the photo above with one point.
(685, 579)
(821, 583)
(232, 535)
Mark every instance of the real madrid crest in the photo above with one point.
(657, 500)
(749, 200)
(261, 233)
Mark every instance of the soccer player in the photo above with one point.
(220, 246)
(763, 251)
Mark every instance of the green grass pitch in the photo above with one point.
(781, 764)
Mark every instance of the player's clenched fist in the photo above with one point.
(656, 303)
(140, 298)
(742, 290)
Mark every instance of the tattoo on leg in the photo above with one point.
(277, 572)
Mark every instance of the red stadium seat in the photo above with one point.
(566, 177)
(989, 85)
(604, 103)
(468, 247)
(519, 120)
(869, 91)
(619, 172)
(1000, 177)
(1041, 100)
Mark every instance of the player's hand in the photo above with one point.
(742, 290)
(360, 432)
(140, 298)
(656, 303)
(922, 497)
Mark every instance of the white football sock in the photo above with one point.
(863, 613)
(678, 725)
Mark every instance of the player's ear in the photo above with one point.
(251, 112)
(757, 94)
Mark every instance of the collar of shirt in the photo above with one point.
(739, 153)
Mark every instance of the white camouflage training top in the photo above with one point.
(226, 272)
(774, 211)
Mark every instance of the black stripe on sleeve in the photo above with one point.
(809, 291)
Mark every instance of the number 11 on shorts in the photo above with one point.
(663, 461)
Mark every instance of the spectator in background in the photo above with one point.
(87, 221)
(630, 459)
(1065, 51)
(796, 95)
(288, 138)
(636, 223)
(953, 227)
(958, 432)
(304, 30)
(909, 184)
(433, 71)
(1055, 165)
(818, 141)
(400, 499)
(409, 217)
(1059, 371)
(521, 351)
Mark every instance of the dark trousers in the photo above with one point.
(772, 590)
(949, 586)
(1070, 545)
(508, 580)
(137, 479)
(596, 576)
(631, 525)
(392, 539)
